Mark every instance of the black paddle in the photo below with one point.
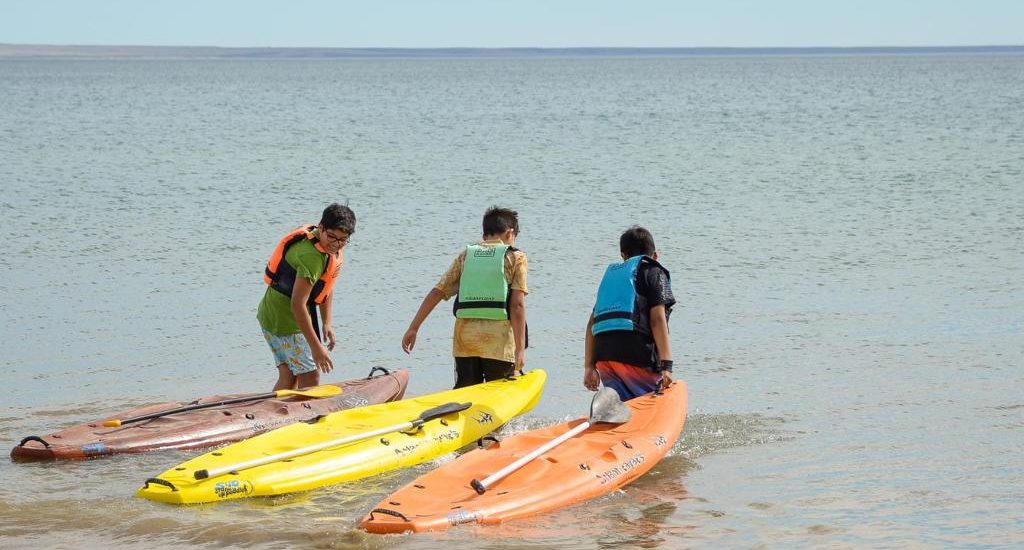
(316, 392)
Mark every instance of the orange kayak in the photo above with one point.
(599, 460)
(206, 427)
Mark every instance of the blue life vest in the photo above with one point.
(619, 306)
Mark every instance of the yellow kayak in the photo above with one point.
(348, 445)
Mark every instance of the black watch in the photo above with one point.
(665, 365)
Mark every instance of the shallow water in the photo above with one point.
(844, 236)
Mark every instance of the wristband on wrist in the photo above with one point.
(665, 365)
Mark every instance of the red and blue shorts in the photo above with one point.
(628, 380)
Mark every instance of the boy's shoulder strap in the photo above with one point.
(649, 261)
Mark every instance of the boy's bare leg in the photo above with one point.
(307, 379)
(285, 378)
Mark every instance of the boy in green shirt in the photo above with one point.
(300, 277)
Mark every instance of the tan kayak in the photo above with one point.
(209, 426)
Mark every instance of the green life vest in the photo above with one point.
(483, 288)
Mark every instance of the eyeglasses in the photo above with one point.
(328, 236)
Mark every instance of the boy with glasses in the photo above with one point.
(300, 277)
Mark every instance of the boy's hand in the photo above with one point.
(591, 378)
(666, 378)
(329, 336)
(520, 361)
(322, 359)
(409, 340)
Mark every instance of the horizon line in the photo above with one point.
(71, 45)
(12, 50)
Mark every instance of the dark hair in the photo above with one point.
(499, 220)
(636, 241)
(339, 216)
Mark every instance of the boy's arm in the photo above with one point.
(517, 317)
(300, 294)
(430, 301)
(447, 287)
(591, 379)
(659, 330)
(325, 318)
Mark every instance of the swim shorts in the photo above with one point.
(292, 350)
(628, 380)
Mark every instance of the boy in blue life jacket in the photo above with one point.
(300, 277)
(626, 343)
(488, 281)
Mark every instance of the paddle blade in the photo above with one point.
(442, 410)
(315, 391)
(607, 407)
(112, 423)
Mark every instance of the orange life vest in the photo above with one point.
(280, 275)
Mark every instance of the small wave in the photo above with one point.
(705, 434)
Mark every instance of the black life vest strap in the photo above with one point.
(315, 319)
(613, 315)
(476, 305)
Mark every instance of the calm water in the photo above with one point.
(844, 233)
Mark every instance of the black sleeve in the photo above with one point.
(659, 288)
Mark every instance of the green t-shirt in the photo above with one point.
(275, 311)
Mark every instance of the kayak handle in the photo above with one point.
(480, 442)
(478, 487)
(388, 512)
(158, 481)
(33, 438)
(375, 369)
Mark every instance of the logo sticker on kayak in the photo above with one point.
(621, 469)
(484, 418)
(408, 448)
(94, 449)
(353, 401)
(461, 516)
(450, 435)
(225, 489)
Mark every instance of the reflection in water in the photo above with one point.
(644, 518)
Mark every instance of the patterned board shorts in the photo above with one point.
(629, 381)
(292, 350)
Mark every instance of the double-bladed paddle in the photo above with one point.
(605, 407)
(424, 417)
(315, 392)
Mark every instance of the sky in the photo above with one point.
(513, 23)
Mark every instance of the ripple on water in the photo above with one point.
(705, 434)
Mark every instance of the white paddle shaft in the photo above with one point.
(214, 472)
(497, 476)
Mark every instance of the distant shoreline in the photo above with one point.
(30, 51)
